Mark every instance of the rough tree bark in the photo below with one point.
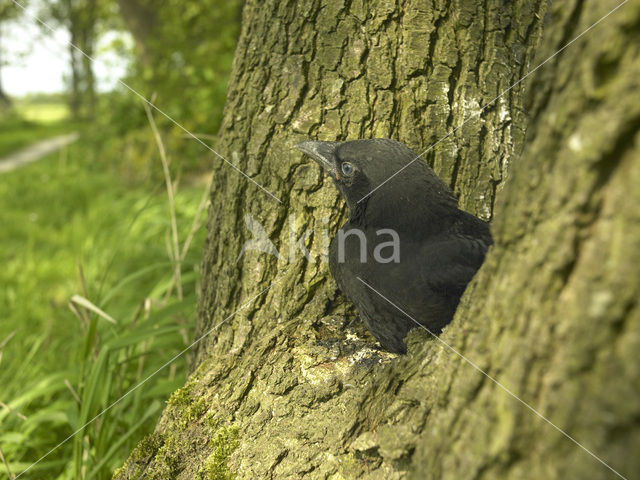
(285, 388)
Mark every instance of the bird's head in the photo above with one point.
(379, 178)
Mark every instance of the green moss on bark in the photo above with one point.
(223, 441)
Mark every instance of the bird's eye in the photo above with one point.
(348, 169)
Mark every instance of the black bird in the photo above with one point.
(438, 248)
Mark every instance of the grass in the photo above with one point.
(28, 122)
(73, 229)
(17, 133)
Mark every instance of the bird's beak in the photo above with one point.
(321, 152)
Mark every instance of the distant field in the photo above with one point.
(31, 122)
(43, 112)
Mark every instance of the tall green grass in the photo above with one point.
(76, 239)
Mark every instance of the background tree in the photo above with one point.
(284, 388)
(82, 20)
(8, 10)
(140, 17)
(184, 51)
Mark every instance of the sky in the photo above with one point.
(36, 60)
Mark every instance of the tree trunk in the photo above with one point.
(88, 19)
(7, 11)
(285, 388)
(75, 99)
(5, 101)
(81, 20)
(140, 18)
(88, 35)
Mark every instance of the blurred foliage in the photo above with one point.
(101, 204)
(59, 370)
(189, 60)
(183, 62)
(8, 9)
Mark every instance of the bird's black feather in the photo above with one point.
(440, 246)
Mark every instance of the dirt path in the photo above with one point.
(35, 151)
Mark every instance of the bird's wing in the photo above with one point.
(450, 263)
(442, 266)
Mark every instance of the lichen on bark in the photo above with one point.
(553, 313)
